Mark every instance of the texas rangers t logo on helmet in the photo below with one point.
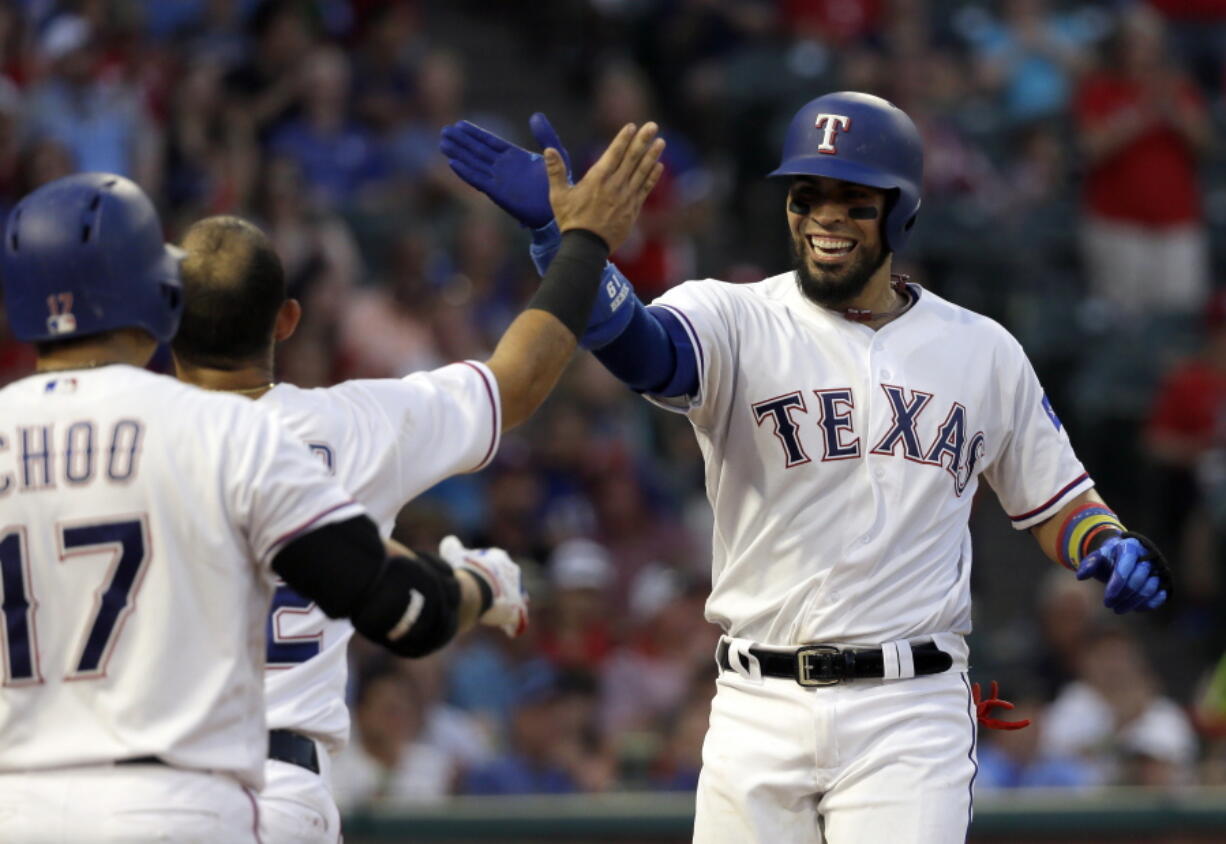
(830, 124)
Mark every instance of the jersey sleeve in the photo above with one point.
(408, 434)
(1036, 472)
(701, 314)
(275, 488)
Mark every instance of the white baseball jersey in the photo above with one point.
(138, 518)
(387, 441)
(841, 462)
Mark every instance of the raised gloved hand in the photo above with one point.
(515, 180)
(493, 565)
(984, 706)
(510, 175)
(1134, 570)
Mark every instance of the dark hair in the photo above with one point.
(234, 285)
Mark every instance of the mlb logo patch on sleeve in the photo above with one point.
(1051, 414)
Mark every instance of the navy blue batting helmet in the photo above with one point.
(85, 254)
(863, 139)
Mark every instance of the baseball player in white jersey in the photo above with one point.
(141, 522)
(846, 418)
(385, 440)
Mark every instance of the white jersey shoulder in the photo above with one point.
(841, 461)
(138, 518)
(386, 441)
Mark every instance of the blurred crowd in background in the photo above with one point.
(1075, 191)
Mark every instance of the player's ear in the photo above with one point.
(288, 316)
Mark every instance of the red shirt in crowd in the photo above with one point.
(1191, 405)
(1150, 180)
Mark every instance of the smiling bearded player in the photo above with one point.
(846, 419)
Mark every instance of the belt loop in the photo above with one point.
(906, 661)
(743, 662)
(889, 661)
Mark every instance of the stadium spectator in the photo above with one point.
(384, 328)
(342, 163)
(1143, 126)
(1115, 719)
(264, 89)
(1031, 57)
(101, 120)
(387, 762)
(540, 749)
(574, 629)
(659, 250)
(647, 680)
(1016, 759)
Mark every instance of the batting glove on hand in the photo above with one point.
(493, 565)
(1134, 570)
(511, 176)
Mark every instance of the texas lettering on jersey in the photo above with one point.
(950, 448)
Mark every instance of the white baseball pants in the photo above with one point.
(296, 805)
(125, 804)
(867, 760)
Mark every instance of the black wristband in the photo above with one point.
(569, 287)
(487, 592)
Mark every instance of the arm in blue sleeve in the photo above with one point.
(653, 355)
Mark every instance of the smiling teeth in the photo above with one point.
(831, 245)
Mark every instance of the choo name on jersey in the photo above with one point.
(34, 458)
(950, 447)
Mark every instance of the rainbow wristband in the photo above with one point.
(1080, 529)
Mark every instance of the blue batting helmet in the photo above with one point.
(863, 139)
(85, 254)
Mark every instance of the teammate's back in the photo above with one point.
(128, 511)
(140, 523)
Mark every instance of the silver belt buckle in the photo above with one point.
(803, 674)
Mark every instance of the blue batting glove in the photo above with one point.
(511, 176)
(1131, 582)
(545, 243)
(515, 180)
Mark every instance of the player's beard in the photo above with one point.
(834, 287)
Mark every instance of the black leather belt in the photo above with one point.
(294, 748)
(825, 665)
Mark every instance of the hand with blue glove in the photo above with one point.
(516, 181)
(510, 175)
(1134, 570)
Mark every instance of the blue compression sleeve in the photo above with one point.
(653, 355)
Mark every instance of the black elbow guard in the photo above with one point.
(411, 607)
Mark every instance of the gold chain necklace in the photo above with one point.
(91, 364)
